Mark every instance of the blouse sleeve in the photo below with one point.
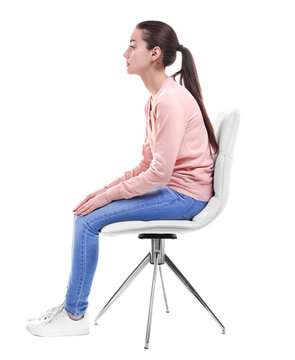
(168, 133)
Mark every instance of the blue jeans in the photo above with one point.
(160, 203)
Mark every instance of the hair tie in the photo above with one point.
(179, 48)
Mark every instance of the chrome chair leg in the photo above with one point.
(157, 257)
(148, 330)
(124, 286)
(164, 293)
(191, 289)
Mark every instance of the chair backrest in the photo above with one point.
(226, 129)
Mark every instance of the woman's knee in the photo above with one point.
(85, 222)
(80, 221)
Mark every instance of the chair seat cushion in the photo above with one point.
(151, 226)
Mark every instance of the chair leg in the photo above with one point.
(124, 286)
(148, 330)
(191, 289)
(164, 293)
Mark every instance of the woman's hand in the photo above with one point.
(94, 202)
(90, 196)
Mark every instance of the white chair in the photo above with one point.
(227, 125)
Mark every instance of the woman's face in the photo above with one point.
(138, 57)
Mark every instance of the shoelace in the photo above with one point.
(52, 313)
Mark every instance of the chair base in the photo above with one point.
(156, 257)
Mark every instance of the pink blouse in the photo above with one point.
(176, 150)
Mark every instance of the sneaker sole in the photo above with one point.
(78, 333)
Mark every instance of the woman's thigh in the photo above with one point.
(160, 203)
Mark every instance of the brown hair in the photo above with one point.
(158, 33)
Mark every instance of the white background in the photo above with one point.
(72, 120)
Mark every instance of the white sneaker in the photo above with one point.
(57, 322)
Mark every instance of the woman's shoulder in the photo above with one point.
(174, 89)
(174, 93)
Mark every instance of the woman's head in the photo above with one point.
(153, 44)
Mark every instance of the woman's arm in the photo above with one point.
(153, 170)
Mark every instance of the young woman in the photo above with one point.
(174, 179)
